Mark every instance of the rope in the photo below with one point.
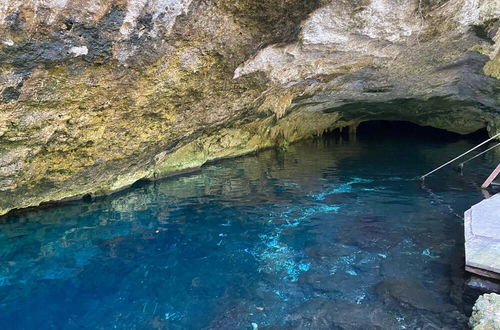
(439, 200)
(454, 159)
(479, 154)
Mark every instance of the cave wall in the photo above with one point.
(97, 94)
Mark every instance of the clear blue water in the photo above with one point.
(329, 234)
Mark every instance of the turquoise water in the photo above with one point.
(329, 234)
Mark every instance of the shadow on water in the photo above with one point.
(331, 233)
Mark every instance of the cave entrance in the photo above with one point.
(396, 128)
(402, 128)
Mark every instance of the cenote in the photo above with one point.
(331, 233)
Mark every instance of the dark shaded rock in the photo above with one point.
(319, 282)
(475, 287)
(232, 316)
(401, 266)
(321, 313)
(325, 254)
(483, 284)
(9, 94)
(368, 232)
(410, 294)
(230, 319)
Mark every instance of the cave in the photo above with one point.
(399, 128)
(243, 164)
(394, 129)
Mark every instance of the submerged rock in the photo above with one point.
(328, 254)
(368, 232)
(321, 313)
(410, 294)
(486, 313)
(319, 282)
(97, 95)
(483, 284)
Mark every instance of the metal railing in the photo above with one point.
(461, 165)
(422, 178)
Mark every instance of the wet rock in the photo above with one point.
(410, 294)
(449, 321)
(442, 277)
(321, 313)
(486, 313)
(320, 282)
(235, 317)
(368, 232)
(122, 247)
(140, 89)
(483, 284)
(328, 254)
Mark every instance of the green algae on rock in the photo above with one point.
(96, 97)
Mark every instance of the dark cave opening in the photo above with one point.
(397, 128)
(406, 128)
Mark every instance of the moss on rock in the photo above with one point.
(165, 96)
(492, 68)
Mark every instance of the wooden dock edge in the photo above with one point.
(483, 272)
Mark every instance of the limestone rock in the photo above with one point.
(97, 94)
(486, 313)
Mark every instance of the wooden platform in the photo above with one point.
(482, 238)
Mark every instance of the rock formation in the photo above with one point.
(486, 312)
(97, 94)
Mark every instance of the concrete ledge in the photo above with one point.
(482, 237)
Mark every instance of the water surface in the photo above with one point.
(328, 234)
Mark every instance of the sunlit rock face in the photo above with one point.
(355, 51)
(95, 95)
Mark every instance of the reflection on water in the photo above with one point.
(328, 234)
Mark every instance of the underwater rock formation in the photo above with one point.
(96, 95)
(409, 293)
(320, 313)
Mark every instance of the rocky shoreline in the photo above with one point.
(94, 97)
(486, 312)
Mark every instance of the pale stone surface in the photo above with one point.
(163, 13)
(486, 313)
(377, 33)
(482, 235)
(79, 51)
(476, 11)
